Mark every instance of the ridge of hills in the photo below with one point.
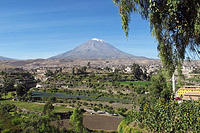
(5, 58)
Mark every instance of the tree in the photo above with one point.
(6, 114)
(88, 65)
(8, 85)
(159, 87)
(76, 120)
(49, 73)
(20, 90)
(1, 91)
(137, 71)
(73, 71)
(48, 108)
(174, 23)
(83, 69)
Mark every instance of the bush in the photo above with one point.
(96, 109)
(6, 131)
(16, 121)
(111, 101)
(85, 103)
(170, 116)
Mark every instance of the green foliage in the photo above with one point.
(14, 122)
(6, 108)
(6, 124)
(138, 73)
(8, 85)
(174, 23)
(139, 90)
(159, 87)
(6, 131)
(170, 117)
(20, 90)
(164, 117)
(24, 81)
(49, 73)
(96, 109)
(125, 8)
(48, 108)
(121, 111)
(158, 90)
(124, 127)
(76, 120)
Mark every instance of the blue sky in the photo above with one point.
(43, 28)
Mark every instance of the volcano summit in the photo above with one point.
(94, 49)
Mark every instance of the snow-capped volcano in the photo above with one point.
(96, 39)
(94, 49)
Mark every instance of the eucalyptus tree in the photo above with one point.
(174, 23)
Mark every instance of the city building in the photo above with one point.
(189, 92)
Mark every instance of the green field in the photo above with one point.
(35, 107)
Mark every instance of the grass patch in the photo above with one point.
(35, 106)
(26, 105)
(62, 109)
(9, 95)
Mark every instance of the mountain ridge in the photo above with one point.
(5, 58)
(94, 49)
